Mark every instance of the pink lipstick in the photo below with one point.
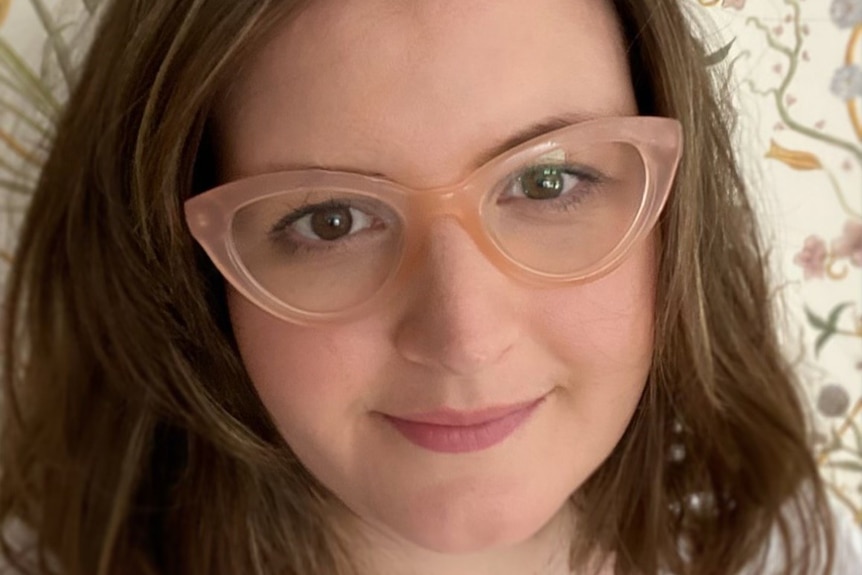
(451, 431)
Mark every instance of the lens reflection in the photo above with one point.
(597, 193)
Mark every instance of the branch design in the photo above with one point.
(838, 260)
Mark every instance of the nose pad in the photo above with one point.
(462, 316)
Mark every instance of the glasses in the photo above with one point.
(314, 245)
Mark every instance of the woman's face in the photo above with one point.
(418, 92)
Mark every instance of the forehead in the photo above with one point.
(416, 89)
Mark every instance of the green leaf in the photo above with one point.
(835, 442)
(24, 80)
(21, 93)
(858, 433)
(42, 127)
(828, 326)
(836, 313)
(830, 445)
(821, 340)
(16, 187)
(17, 171)
(719, 55)
(55, 39)
(815, 320)
(845, 465)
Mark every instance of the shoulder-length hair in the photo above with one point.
(133, 441)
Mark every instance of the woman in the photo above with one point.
(453, 313)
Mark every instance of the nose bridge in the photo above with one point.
(460, 316)
(450, 251)
(456, 203)
(459, 200)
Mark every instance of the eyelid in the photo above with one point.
(368, 206)
(577, 170)
(302, 211)
(557, 156)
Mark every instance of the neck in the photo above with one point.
(381, 552)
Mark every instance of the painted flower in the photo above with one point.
(846, 13)
(812, 258)
(738, 4)
(833, 401)
(849, 245)
(847, 82)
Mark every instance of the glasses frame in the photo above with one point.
(659, 141)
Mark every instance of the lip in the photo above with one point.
(452, 431)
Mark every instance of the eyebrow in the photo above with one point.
(523, 135)
(532, 131)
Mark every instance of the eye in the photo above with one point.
(326, 222)
(545, 183)
(331, 223)
(548, 183)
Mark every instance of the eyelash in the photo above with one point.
(305, 210)
(299, 246)
(586, 176)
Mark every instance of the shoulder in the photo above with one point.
(848, 541)
(847, 559)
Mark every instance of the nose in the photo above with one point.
(462, 316)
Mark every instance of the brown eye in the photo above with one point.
(543, 183)
(331, 223)
(326, 222)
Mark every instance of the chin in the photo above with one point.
(483, 524)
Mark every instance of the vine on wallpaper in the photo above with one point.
(837, 258)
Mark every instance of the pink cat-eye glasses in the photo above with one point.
(566, 207)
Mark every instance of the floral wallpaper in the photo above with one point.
(796, 73)
(797, 77)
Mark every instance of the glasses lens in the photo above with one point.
(318, 250)
(569, 209)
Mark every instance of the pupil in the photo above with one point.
(543, 184)
(332, 223)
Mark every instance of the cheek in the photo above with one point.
(607, 324)
(307, 378)
(603, 333)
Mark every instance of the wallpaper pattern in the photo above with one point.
(797, 68)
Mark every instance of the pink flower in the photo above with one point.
(849, 245)
(812, 258)
(738, 4)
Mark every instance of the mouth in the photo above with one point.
(452, 431)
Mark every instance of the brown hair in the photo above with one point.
(133, 441)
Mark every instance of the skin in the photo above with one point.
(417, 91)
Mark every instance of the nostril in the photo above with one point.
(436, 338)
(461, 359)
